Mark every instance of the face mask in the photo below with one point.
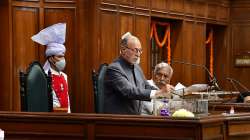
(60, 65)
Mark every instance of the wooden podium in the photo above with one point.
(76, 126)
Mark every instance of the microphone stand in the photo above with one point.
(243, 94)
(213, 81)
(232, 83)
(239, 83)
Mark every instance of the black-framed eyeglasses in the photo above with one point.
(135, 50)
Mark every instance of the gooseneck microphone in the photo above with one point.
(243, 94)
(213, 79)
(233, 81)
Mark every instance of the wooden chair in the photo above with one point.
(35, 89)
(98, 85)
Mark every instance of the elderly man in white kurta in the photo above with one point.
(162, 75)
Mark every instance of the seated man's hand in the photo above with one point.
(165, 92)
(167, 88)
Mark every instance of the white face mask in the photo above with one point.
(60, 65)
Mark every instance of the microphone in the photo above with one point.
(243, 94)
(233, 81)
(213, 79)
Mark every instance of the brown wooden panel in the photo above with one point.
(126, 2)
(52, 16)
(177, 5)
(176, 49)
(126, 23)
(60, 1)
(240, 10)
(22, 44)
(237, 129)
(242, 75)
(25, 0)
(5, 58)
(160, 4)
(187, 50)
(200, 9)
(188, 5)
(221, 64)
(109, 1)
(45, 127)
(240, 44)
(223, 13)
(132, 130)
(84, 100)
(109, 47)
(240, 13)
(199, 53)
(142, 3)
(48, 131)
(213, 132)
(142, 26)
(240, 34)
(212, 11)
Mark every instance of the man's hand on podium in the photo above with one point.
(164, 92)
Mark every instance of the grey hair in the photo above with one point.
(163, 65)
(127, 38)
(124, 39)
(124, 42)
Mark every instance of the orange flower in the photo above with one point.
(166, 38)
(211, 59)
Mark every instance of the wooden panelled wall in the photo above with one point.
(189, 20)
(5, 59)
(240, 42)
(94, 28)
(24, 18)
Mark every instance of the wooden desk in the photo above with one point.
(238, 126)
(62, 126)
(225, 107)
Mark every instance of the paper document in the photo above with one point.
(181, 90)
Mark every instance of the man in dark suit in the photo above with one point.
(125, 84)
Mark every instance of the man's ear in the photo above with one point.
(51, 59)
(122, 50)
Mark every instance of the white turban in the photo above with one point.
(53, 37)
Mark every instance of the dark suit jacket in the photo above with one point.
(121, 93)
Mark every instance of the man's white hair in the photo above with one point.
(126, 35)
(126, 38)
(163, 65)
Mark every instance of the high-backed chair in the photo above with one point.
(98, 84)
(35, 89)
